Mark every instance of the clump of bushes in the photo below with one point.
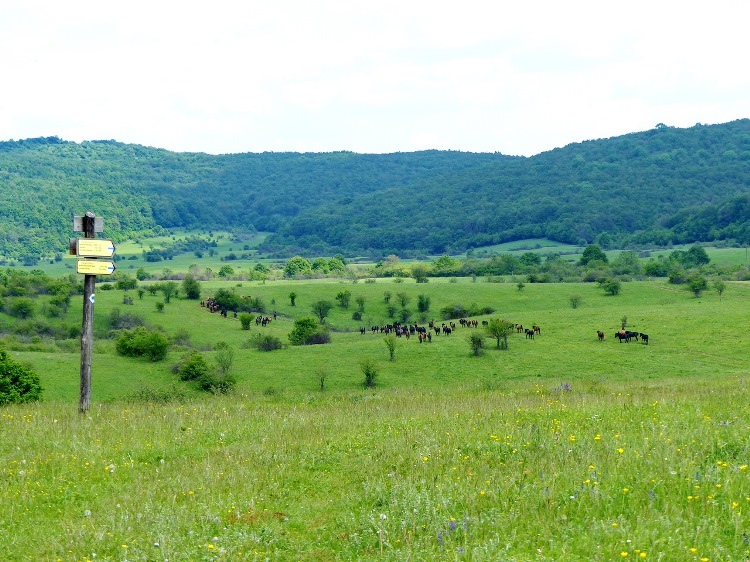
(18, 383)
(307, 331)
(267, 342)
(141, 342)
(460, 311)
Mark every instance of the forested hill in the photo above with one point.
(658, 186)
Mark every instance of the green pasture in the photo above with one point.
(688, 336)
(562, 447)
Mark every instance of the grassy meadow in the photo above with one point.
(562, 447)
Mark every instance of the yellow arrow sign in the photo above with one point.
(95, 267)
(95, 247)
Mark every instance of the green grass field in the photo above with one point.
(560, 448)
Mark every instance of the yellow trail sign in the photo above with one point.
(95, 247)
(95, 267)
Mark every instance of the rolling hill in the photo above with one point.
(665, 185)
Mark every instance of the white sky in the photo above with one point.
(515, 77)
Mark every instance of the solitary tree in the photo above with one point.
(499, 329)
(719, 285)
(292, 297)
(360, 300)
(321, 309)
(697, 283)
(423, 303)
(403, 299)
(191, 287)
(343, 297)
(168, 289)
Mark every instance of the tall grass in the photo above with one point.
(588, 470)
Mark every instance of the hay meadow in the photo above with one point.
(562, 447)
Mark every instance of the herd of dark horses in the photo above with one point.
(625, 336)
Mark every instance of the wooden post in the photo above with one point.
(87, 328)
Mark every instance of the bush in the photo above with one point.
(18, 383)
(192, 367)
(357, 315)
(246, 320)
(268, 343)
(217, 384)
(140, 342)
(307, 331)
(370, 371)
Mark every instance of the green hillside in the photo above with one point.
(656, 187)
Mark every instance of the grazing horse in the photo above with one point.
(623, 335)
(519, 328)
(600, 334)
(529, 333)
(537, 329)
(644, 338)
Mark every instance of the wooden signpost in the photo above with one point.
(89, 249)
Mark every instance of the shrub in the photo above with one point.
(216, 383)
(246, 320)
(268, 343)
(307, 331)
(119, 321)
(18, 383)
(357, 315)
(476, 343)
(370, 371)
(192, 367)
(140, 342)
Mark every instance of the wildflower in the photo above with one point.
(624, 554)
(621, 450)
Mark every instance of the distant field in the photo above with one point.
(225, 244)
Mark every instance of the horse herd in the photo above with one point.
(626, 336)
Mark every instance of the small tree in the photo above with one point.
(159, 306)
(611, 286)
(697, 283)
(18, 383)
(520, 285)
(168, 289)
(370, 371)
(499, 329)
(293, 297)
(423, 303)
(321, 309)
(386, 297)
(360, 300)
(623, 322)
(403, 299)
(191, 287)
(390, 343)
(224, 360)
(476, 343)
(343, 297)
(720, 286)
(575, 300)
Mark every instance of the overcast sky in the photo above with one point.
(516, 77)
